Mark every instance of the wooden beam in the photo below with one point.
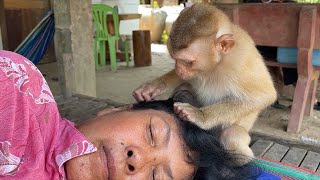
(311, 161)
(306, 39)
(285, 141)
(23, 4)
(294, 156)
(260, 147)
(276, 152)
(3, 26)
(280, 19)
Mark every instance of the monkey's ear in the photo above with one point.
(225, 43)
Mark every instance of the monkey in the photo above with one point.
(221, 64)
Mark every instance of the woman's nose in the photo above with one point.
(137, 159)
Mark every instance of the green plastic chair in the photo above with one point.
(102, 36)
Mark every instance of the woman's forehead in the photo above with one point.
(147, 113)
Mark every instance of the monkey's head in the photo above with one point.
(199, 38)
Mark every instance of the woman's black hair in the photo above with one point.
(213, 162)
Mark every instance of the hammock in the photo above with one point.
(286, 171)
(36, 43)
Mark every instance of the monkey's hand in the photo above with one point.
(189, 113)
(149, 91)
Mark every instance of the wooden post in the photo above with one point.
(312, 94)
(306, 38)
(141, 48)
(74, 47)
(3, 27)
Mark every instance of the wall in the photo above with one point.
(3, 27)
(124, 6)
(1, 46)
(23, 17)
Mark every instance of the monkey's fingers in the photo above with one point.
(183, 113)
(180, 105)
(155, 93)
(145, 92)
(147, 95)
(177, 107)
(186, 111)
(137, 94)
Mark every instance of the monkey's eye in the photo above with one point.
(189, 63)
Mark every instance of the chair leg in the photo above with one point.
(112, 51)
(103, 53)
(299, 103)
(96, 57)
(126, 51)
(312, 94)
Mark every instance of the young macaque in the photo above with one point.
(225, 70)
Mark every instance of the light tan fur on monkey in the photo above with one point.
(225, 70)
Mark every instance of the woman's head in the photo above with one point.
(149, 142)
(210, 159)
(133, 144)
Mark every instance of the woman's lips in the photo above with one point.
(109, 163)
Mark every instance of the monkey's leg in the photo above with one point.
(236, 138)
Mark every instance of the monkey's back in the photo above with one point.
(242, 74)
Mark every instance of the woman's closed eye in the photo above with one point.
(153, 175)
(158, 131)
(151, 132)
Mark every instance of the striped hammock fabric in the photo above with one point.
(36, 43)
(286, 171)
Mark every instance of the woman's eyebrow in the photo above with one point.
(167, 132)
(167, 140)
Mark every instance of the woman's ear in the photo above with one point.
(224, 43)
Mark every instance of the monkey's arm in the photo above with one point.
(225, 112)
(170, 79)
(150, 90)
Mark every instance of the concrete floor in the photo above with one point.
(118, 86)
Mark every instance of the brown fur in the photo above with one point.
(225, 69)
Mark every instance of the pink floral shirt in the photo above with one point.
(35, 141)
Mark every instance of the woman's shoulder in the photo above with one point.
(12, 55)
(25, 76)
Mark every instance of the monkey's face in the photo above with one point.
(195, 60)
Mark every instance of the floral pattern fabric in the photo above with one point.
(35, 141)
(36, 86)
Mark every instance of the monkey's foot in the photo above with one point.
(188, 112)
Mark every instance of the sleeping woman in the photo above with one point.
(142, 141)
